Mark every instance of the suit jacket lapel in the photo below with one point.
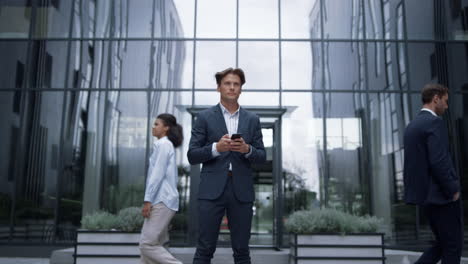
(219, 120)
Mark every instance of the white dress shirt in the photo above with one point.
(161, 182)
(430, 111)
(232, 123)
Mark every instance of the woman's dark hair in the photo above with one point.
(175, 133)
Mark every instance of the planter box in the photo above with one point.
(337, 249)
(106, 247)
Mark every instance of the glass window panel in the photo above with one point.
(260, 62)
(216, 19)
(212, 57)
(142, 64)
(124, 148)
(373, 11)
(384, 70)
(15, 19)
(48, 64)
(342, 64)
(343, 19)
(92, 19)
(458, 66)
(206, 98)
(140, 16)
(259, 99)
(302, 140)
(52, 18)
(423, 65)
(131, 64)
(9, 132)
(420, 19)
(459, 114)
(158, 64)
(300, 19)
(382, 170)
(298, 69)
(13, 66)
(186, 11)
(253, 25)
(346, 185)
(31, 162)
(149, 18)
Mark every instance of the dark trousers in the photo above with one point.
(446, 223)
(210, 214)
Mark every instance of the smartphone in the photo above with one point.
(236, 136)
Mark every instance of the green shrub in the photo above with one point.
(99, 221)
(130, 219)
(330, 221)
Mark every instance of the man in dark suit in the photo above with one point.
(226, 182)
(430, 178)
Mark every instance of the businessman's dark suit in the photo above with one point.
(431, 182)
(219, 192)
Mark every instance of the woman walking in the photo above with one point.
(161, 196)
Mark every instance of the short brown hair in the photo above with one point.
(432, 89)
(237, 71)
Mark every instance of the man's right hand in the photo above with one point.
(456, 196)
(224, 144)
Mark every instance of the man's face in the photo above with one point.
(230, 88)
(441, 104)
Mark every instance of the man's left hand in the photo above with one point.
(239, 145)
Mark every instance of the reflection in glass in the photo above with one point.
(15, 19)
(297, 65)
(420, 19)
(458, 107)
(387, 124)
(13, 66)
(9, 132)
(373, 13)
(253, 25)
(216, 19)
(430, 70)
(31, 166)
(299, 18)
(49, 62)
(186, 11)
(375, 66)
(207, 98)
(139, 18)
(346, 187)
(344, 66)
(343, 19)
(458, 66)
(260, 62)
(52, 18)
(212, 57)
(259, 99)
(302, 147)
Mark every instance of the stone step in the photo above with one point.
(259, 256)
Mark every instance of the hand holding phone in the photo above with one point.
(235, 136)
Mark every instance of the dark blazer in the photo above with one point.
(208, 128)
(429, 174)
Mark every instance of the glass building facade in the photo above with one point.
(335, 83)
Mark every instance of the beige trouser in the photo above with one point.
(153, 236)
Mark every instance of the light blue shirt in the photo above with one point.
(232, 123)
(161, 182)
